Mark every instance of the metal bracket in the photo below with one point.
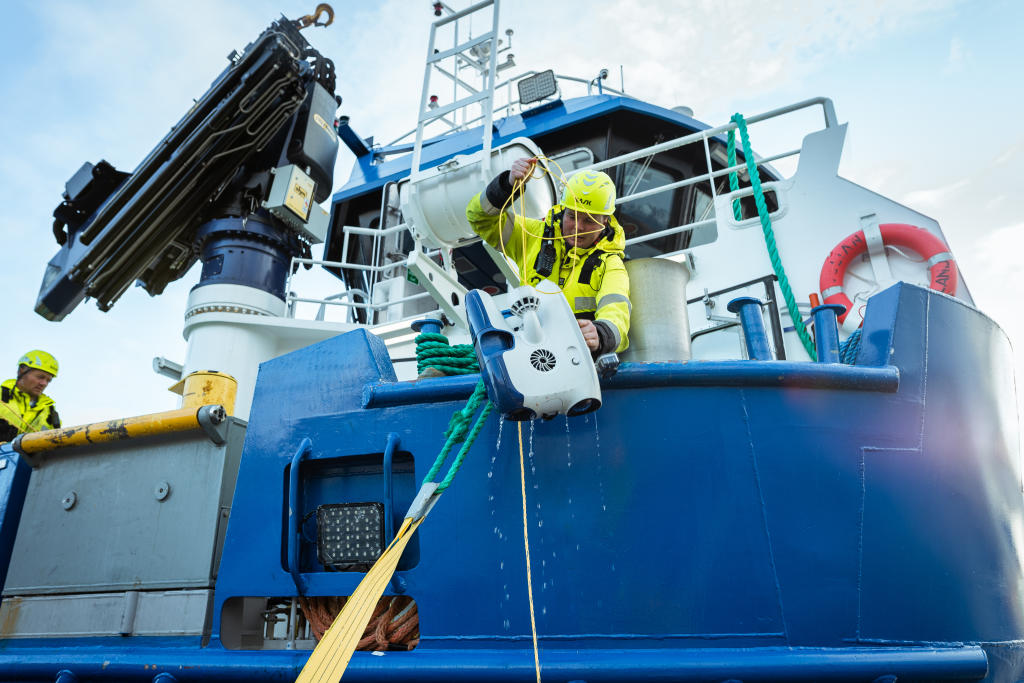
(876, 250)
(424, 501)
(504, 267)
(709, 305)
(167, 368)
(607, 364)
(213, 420)
(442, 285)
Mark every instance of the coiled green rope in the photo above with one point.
(766, 228)
(434, 351)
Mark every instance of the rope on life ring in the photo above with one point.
(934, 250)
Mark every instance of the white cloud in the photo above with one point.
(958, 57)
(927, 199)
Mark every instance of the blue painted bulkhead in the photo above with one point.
(748, 520)
(729, 505)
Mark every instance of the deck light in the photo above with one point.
(537, 87)
(350, 536)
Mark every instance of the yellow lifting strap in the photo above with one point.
(329, 659)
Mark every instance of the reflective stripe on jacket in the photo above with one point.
(17, 410)
(593, 280)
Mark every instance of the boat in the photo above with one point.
(790, 476)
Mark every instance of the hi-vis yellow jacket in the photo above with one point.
(18, 415)
(593, 280)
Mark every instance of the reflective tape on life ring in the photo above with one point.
(937, 256)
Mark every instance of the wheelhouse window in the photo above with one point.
(649, 214)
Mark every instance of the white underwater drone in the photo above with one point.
(533, 359)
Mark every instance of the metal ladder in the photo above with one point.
(480, 54)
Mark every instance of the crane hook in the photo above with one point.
(314, 18)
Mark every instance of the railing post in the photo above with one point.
(826, 332)
(749, 310)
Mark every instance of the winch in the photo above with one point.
(533, 359)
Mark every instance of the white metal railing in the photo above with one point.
(508, 107)
(703, 137)
(378, 269)
(335, 300)
(344, 298)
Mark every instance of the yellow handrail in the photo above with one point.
(180, 420)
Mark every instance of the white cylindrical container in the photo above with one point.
(434, 203)
(659, 328)
(220, 338)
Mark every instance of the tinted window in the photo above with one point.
(647, 215)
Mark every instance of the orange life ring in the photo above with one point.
(939, 259)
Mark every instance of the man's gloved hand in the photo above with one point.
(7, 431)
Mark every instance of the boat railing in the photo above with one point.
(511, 104)
(379, 269)
(339, 299)
(705, 138)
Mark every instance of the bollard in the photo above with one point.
(427, 326)
(826, 332)
(749, 310)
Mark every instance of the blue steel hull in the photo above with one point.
(607, 665)
(749, 520)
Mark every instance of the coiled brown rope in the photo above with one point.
(395, 624)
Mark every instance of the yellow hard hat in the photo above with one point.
(591, 192)
(40, 360)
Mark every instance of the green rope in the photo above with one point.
(766, 228)
(434, 351)
(459, 431)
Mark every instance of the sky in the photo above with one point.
(930, 89)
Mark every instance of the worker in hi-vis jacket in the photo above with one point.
(23, 405)
(578, 246)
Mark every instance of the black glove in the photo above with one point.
(606, 338)
(7, 431)
(500, 189)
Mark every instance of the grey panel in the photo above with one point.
(138, 514)
(165, 613)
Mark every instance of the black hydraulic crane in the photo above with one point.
(235, 184)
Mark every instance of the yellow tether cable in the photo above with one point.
(332, 654)
(519, 186)
(526, 543)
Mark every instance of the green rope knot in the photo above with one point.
(458, 425)
(460, 431)
(766, 228)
